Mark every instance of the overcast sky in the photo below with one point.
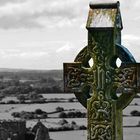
(42, 34)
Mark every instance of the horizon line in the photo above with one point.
(27, 69)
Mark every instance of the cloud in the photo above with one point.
(28, 55)
(13, 53)
(33, 13)
(67, 47)
(3, 2)
(132, 42)
(136, 4)
(8, 22)
(17, 15)
(49, 14)
(130, 37)
(51, 57)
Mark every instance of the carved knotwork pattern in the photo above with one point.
(126, 77)
(100, 110)
(100, 118)
(104, 78)
(100, 107)
(97, 52)
(76, 77)
(101, 132)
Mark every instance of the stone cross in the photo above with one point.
(96, 86)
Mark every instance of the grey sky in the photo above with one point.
(42, 34)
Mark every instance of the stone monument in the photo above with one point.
(95, 86)
(41, 132)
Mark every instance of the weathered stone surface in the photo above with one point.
(41, 132)
(95, 86)
(12, 130)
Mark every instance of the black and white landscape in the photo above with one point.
(38, 95)
(36, 38)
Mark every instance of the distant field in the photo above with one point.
(59, 95)
(5, 110)
(14, 81)
(24, 74)
(70, 135)
(21, 82)
(129, 133)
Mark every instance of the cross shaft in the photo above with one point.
(95, 86)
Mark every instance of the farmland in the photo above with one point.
(130, 122)
(28, 91)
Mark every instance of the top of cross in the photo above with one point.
(103, 1)
(104, 4)
(105, 14)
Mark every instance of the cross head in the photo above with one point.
(96, 86)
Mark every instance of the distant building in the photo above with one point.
(16, 130)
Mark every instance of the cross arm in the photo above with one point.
(128, 80)
(75, 77)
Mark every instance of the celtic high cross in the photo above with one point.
(96, 86)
